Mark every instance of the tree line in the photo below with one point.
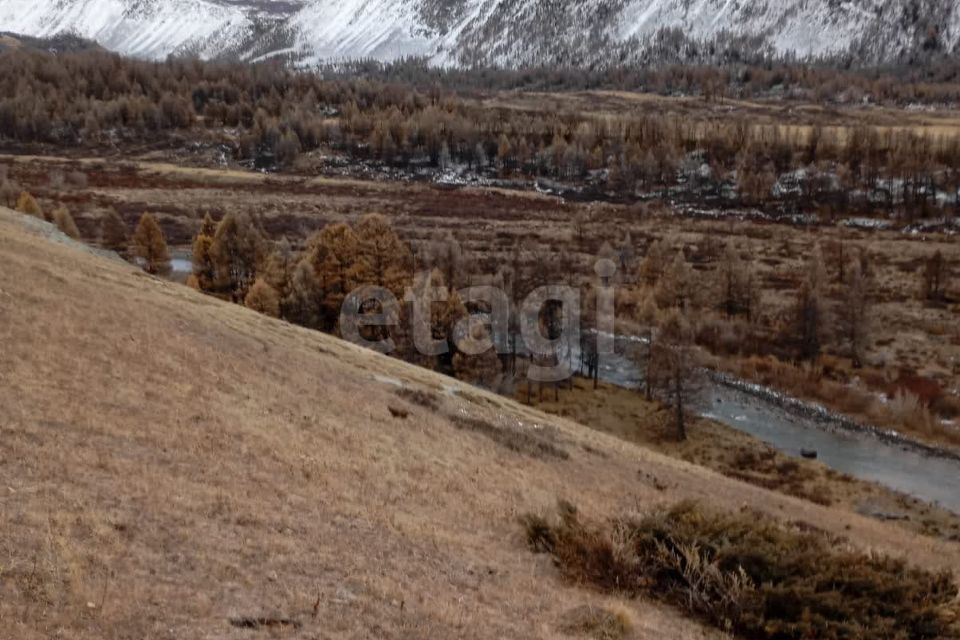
(268, 117)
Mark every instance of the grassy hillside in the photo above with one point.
(175, 466)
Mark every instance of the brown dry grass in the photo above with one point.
(792, 120)
(909, 336)
(170, 462)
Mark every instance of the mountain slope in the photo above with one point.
(500, 31)
(170, 462)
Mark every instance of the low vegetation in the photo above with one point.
(749, 575)
(529, 440)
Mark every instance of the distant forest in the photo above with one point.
(407, 116)
(830, 81)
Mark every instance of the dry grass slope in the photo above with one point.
(173, 466)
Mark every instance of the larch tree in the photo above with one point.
(113, 232)
(236, 252)
(263, 298)
(304, 295)
(654, 263)
(646, 314)
(150, 246)
(335, 253)
(677, 287)
(384, 258)
(204, 269)
(853, 314)
(278, 270)
(809, 321)
(443, 252)
(736, 289)
(481, 369)
(675, 368)
(935, 276)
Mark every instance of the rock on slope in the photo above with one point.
(504, 32)
(170, 462)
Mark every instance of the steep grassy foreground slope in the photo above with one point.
(173, 466)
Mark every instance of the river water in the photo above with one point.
(930, 478)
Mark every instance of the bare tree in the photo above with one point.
(675, 368)
(935, 277)
(853, 314)
(809, 321)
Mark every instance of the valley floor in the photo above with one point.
(174, 465)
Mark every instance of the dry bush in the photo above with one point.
(905, 408)
(65, 222)
(947, 407)
(750, 576)
(600, 623)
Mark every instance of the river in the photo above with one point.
(928, 477)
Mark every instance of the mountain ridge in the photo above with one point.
(501, 33)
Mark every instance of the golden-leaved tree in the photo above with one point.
(236, 253)
(204, 270)
(150, 245)
(26, 203)
(334, 253)
(113, 232)
(385, 260)
(263, 298)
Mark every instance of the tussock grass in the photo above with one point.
(527, 443)
(750, 576)
(600, 623)
(421, 398)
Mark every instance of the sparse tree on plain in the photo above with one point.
(675, 368)
(935, 277)
(853, 315)
(736, 288)
(647, 314)
(678, 285)
(150, 246)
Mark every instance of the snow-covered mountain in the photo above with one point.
(505, 32)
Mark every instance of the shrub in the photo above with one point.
(64, 222)
(750, 576)
(601, 623)
(26, 203)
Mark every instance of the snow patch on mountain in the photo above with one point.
(144, 28)
(505, 32)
